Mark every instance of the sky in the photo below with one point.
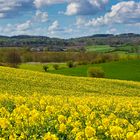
(69, 18)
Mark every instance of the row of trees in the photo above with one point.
(99, 39)
(13, 57)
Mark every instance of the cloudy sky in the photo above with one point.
(69, 18)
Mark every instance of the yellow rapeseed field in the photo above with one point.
(43, 106)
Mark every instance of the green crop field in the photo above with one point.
(42, 106)
(99, 48)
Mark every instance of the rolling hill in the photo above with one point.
(40, 106)
(24, 81)
(61, 44)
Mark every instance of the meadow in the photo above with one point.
(123, 70)
(99, 48)
(36, 105)
(124, 49)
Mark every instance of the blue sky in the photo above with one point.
(69, 18)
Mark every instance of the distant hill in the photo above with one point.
(44, 41)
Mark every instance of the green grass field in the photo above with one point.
(129, 48)
(106, 48)
(39, 66)
(99, 48)
(123, 70)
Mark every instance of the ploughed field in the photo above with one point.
(35, 105)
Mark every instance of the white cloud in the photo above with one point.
(74, 7)
(112, 31)
(41, 16)
(8, 5)
(121, 13)
(20, 28)
(1, 15)
(7, 29)
(80, 21)
(85, 7)
(54, 26)
(68, 30)
(40, 3)
(24, 26)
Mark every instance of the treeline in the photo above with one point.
(60, 44)
(16, 56)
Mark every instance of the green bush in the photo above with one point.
(71, 64)
(83, 62)
(96, 72)
(56, 66)
(45, 67)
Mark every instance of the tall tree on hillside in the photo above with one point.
(13, 58)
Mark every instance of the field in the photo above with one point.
(99, 48)
(129, 49)
(107, 48)
(124, 70)
(35, 105)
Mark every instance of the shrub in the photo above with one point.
(45, 67)
(96, 72)
(71, 64)
(56, 66)
(82, 62)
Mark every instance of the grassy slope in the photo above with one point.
(107, 48)
(99, 48)
(27, 82)
(125, 70)
(39, 66)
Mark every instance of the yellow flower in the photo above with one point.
(92, 115)
(90, 131)
(61, 119)
(62, 128)
(22, 136)
(4, 123)
(130, 135)
(116, 131)
(79, 136)
(137, 136)
(105, 122)
(138, 124)
(12, 137)
(50, 109)
(50, 136)
(69, 120)
(100, 127)
(75, 130)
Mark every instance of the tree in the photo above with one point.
(56, 66)
(45, 67)
(96, 72)
(70, 64)
(13, 58)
